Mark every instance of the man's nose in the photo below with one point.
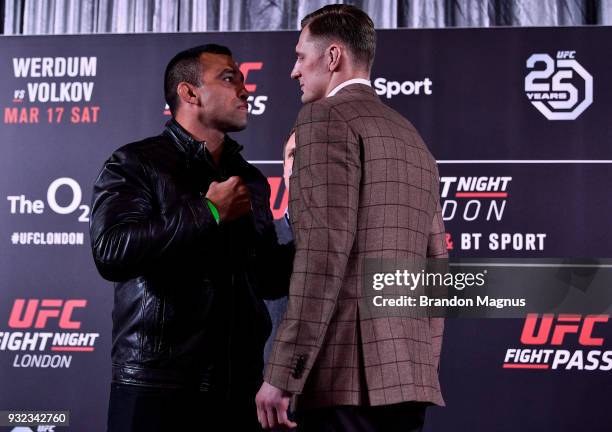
(295, 74)
(243, 93)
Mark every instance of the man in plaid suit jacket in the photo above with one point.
(364, 185)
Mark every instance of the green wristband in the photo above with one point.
(213, 210)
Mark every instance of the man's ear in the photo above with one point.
(186, 93)
(334, 56)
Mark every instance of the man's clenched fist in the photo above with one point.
(231, 198)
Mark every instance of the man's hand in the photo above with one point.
(272, 405)
(231, 198)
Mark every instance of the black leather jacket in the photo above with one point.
(188, 309)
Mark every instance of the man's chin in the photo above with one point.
(236, 127)
(307, 98)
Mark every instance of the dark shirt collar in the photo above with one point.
(195, 149)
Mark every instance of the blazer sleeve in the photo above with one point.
(436, 244)
(323, 207)
(436, 248)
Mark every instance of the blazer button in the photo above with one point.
(300, 365)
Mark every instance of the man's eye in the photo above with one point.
(228, 78)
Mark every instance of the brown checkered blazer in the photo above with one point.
(363, 185)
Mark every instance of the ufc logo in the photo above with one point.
(245, 68)
(35, 313)
(559, 328)
(566, 54)
(562, 89)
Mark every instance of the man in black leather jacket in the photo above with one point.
(181, 223)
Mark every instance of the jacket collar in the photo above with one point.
(195, 149)
(349, 82)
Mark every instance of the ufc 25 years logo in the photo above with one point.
(561, 89)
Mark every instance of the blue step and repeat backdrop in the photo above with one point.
(520, 120)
